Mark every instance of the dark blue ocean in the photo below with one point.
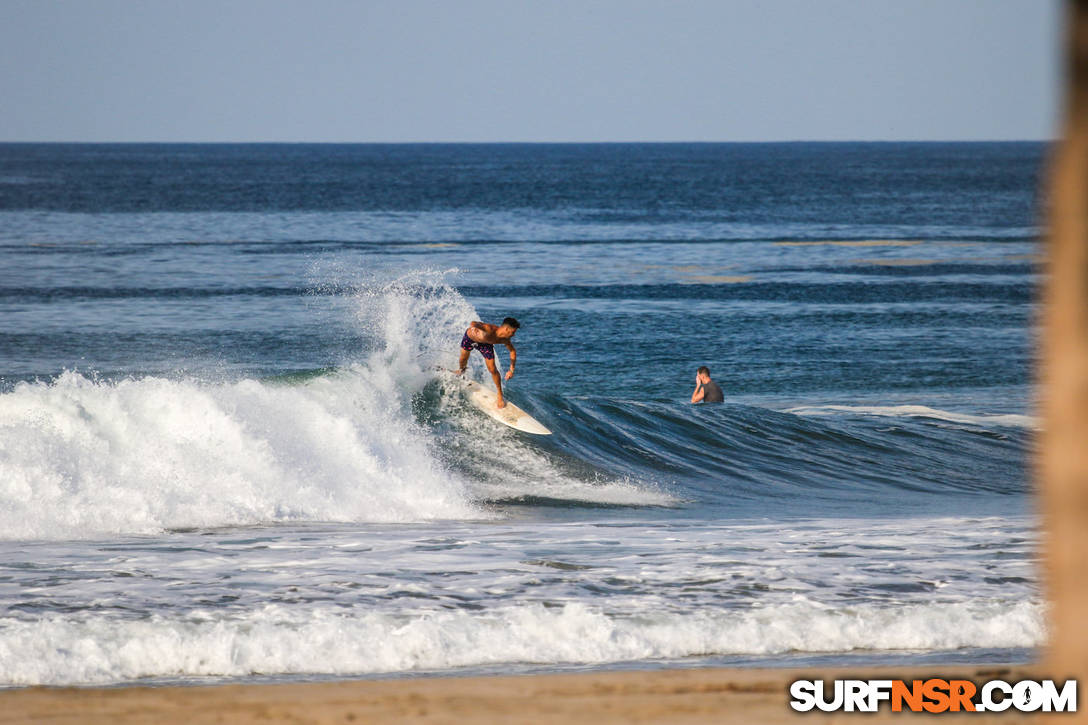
(226, 453)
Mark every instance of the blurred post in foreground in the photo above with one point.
(1063, 457)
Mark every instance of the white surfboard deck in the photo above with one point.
(511, 415)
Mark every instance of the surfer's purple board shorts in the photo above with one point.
(486, 349)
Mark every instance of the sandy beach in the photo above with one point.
(660, 696)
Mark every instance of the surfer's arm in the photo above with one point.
(513, 360)
(697, 396)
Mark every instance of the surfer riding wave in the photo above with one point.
(483, 337)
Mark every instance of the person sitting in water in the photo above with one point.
(485, 337)
(706, 390)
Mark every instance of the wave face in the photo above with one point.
(388, 439)
(739, 453)
(85, 458)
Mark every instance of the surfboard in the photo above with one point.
(511, 415)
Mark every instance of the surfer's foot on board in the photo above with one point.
(500, 403)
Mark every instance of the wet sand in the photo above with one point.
(597, 698)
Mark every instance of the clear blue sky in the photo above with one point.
(517, 70)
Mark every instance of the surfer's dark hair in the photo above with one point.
(511, 322)
(704, 370)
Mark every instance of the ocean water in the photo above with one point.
(226, 454)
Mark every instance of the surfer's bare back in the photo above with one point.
(484, 337)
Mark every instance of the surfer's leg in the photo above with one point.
(466, 350)
(490, 362)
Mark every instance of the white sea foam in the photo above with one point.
(86, 458)
(83, 458)
(1010, 420)
(59, 650)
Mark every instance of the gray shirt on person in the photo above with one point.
(712, 393)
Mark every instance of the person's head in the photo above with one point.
(703, 373)
(508, 327)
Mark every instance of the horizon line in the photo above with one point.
(533, 143)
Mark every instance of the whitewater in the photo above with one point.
(84, 457)
(263, 603)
